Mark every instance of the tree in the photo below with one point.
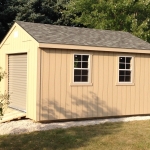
(40, 11)
(7, 15)
(126, 15)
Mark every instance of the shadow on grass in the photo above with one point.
(60, 139)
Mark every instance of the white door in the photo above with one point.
(17, 80)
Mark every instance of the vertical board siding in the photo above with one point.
(51, 83)
(73, 103)
(95, 75)
(63, 88)
(105, 84)
(128, 101)
(69, 98)
(146, 84)
(85, 102)
(79, 102)
(58, 84)
(137, 83)
(44, 86)
(110, 84)
(61, 100)
(114, 87)
(148, 81)
(22, 44)
(100, 84)
(141, 91)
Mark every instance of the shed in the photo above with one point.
(59, 72)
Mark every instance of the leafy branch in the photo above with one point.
(4, 98)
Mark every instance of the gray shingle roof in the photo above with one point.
(55, 34)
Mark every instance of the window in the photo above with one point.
(125, 69)
(81, 67)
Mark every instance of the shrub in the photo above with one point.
(4, 98)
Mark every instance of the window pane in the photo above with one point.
(121, 66)
(84, 64)
(122, 59)
(127, 78)
(128, 59)
(121, 78)
(84, 72)
(124, 69)
(85, 57)
(77, 79)
(77, 64)
(85, 78)
(77, 57)
(127, 66)
(121, 72)
(81, 61)
(128, 73)
(77, 72)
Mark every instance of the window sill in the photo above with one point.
(127, 84)
(81, 84)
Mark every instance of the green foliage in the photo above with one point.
(4, 98)
(2, 74)
(42, 11)
(7, 15)
(125, 15)
(4, 102)
(39, 11)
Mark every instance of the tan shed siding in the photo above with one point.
(44, 85)
(22, 44)
(62, 100)
(63, 82)
(100, 83)
(110, 84)
(148, 90)
(146, 85)
(95, 75)
(57, 83)
(32, 81)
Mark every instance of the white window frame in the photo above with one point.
(89, 70)
(131, 69)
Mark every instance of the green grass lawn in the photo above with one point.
(109, 136)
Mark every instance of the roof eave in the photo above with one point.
(92, 48)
